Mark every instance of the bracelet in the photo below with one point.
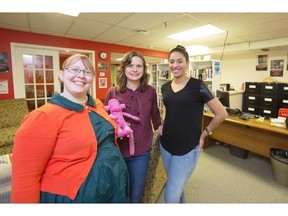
(209, 133)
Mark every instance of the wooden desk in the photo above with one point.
(254, 136)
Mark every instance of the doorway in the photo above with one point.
(35, 71)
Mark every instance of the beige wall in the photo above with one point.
(240, 68)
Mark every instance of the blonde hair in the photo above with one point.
(76, 57)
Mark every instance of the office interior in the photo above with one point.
(246, 38)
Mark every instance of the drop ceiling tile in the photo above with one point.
(14, 19)
(108, 18)
(116, 34)
(87, 28)
(145, 21)
(50, 21)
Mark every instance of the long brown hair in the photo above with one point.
(121, 78)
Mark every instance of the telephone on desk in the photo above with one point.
(246, 116)
(233, 112)
(237, 112)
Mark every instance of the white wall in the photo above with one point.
(240, 68)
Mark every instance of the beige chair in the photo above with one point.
(156, 176)
(12, 111)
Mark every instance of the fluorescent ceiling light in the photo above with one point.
(197, 50)
(71, 13)
(199, 32)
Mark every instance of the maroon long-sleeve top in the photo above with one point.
(142, 104)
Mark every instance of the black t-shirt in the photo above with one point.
(184, 113)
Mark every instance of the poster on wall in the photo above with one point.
(3, 86)
(4, 68)
(102, 66)
(102, 82)
(276, 69)
(262, 63)
(216, 68)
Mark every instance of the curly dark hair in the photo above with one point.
(180, 49)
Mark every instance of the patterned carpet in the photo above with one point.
(223, 178)
(219, 178)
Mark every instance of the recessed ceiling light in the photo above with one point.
(143, 32)
(199, 32)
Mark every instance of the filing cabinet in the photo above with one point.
(263, 98)
(283, 95)
(268, 88)
(251, 98)
(268, 101)
(268, 105)
(267, 111)
(252, 88)
(251, 109)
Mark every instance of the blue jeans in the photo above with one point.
(178, 169)
(137, 167)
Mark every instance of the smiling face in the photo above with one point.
(177, 64)
(76, 85)
(135, 70)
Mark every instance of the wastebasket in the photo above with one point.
(279, 161)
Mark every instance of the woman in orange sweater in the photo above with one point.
(66, 151)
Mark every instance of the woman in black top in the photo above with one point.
(182, 138)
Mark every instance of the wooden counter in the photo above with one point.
(254, 136)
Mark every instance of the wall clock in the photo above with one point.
(103, 55)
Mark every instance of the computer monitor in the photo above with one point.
(224, 98)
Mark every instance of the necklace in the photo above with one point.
(78, 102)
(83, 102)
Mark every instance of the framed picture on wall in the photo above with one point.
(277, 67)
(4, 68)
(102, 82)
(102, 66)
(3, 86)
(262, 63)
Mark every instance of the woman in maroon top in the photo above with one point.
(132, 89)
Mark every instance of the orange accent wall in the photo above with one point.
(8, 36)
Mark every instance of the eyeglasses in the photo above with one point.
(78, 70)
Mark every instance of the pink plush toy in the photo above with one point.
(116, 113)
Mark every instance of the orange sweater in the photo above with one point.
(54, 150)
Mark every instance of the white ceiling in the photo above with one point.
(242, 29)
